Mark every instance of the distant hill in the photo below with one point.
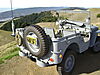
(27, 20)
(26, 11)
(73, 8)
(4, 9)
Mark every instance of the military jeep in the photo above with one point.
(60, 48)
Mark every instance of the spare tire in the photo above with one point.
(36, 41)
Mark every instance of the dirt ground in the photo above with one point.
(24, 66)
(88, 64)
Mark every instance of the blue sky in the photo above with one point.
(50, 3)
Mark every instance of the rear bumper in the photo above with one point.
(42, 62)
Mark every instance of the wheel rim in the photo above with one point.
(33, 42)
(69, 63)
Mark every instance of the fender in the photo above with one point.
(94, 32)
(73, 46)
(98, 31)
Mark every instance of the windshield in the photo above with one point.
(74, 15)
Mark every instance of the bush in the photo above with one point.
(98, 15)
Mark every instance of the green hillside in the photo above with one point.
(30, 19)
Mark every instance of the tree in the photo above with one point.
(98, 15)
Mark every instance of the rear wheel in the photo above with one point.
(68, 63)
(36, 41)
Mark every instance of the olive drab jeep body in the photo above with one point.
(60, 48)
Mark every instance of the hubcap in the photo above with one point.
(69, 63)
(18, 39)
(33, 42)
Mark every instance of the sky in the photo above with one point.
(50, 3)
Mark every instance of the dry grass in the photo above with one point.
(5, 37)
(7, 47)
(49, 25)
(82, 16)
(94, 12)
(8, 51)
(74, 16)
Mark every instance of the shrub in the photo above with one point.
(98, 15)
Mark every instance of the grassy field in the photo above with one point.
(7, 46)
(5, 37)
(82, 16)
(94, 12)
(7, 52)
(73, 16)
(49, 25)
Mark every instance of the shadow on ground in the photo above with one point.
(88, 63)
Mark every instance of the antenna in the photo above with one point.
(12, 23)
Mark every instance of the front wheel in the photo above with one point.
(67, 65)
(96, 47)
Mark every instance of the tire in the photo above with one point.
(42, 40)
(96, 47)
(63, 68)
